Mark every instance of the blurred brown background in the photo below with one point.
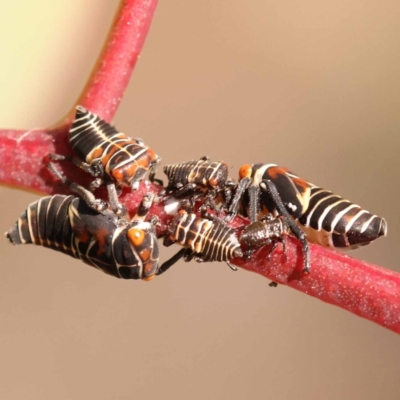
(310, 85)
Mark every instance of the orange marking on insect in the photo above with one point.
(301, 183)
(101, 235)
(96, 153)
(118, 174)
(145, 254)
(106, 157)
(130, 169)
(149, 278)
(245, 171)
(136, 236)
(151, 155)
(83, 235)
(143, 162)
(273, 172)
(213, 182)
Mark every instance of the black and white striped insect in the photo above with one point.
(109, 155)
(202, 176)
(127, 250)
(204, 239)
(323, 217)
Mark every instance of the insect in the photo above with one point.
(127, 250)
(202, 176)
(205, 238)
(108, 155)
(323, 217)
(264, 232)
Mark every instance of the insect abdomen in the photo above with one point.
(88, 131)
(201, 172)
(262, 232)
(333, 221)
(45, 223)
(179, 173)
(211, 240)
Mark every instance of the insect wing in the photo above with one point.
(294, 191)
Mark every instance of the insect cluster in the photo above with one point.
(100, 233)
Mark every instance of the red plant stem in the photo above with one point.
(111, 76)
(364, 289)
(22, 151)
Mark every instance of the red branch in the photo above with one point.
(364, 289)
(22, 151)
(111, 75)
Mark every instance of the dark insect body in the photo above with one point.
(326, 218)
(264, 232)
(127, 250)
(202, 176)
(109, 155)
(203, 238)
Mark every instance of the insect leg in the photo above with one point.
(227, 193)
(154, 221)
(59, 157)
(254, 205)
(209, 202)
(231, 266)
(167, 264)
(96, 184)
(269, 187)
(184, 189)
(116, 206)
(212, 217)
(144, 207)
(158, 181)
(96, 204)
(272, 249)
(241, 188)
(152, 173)
(94, 170)
(189, 255)
(167, 241)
